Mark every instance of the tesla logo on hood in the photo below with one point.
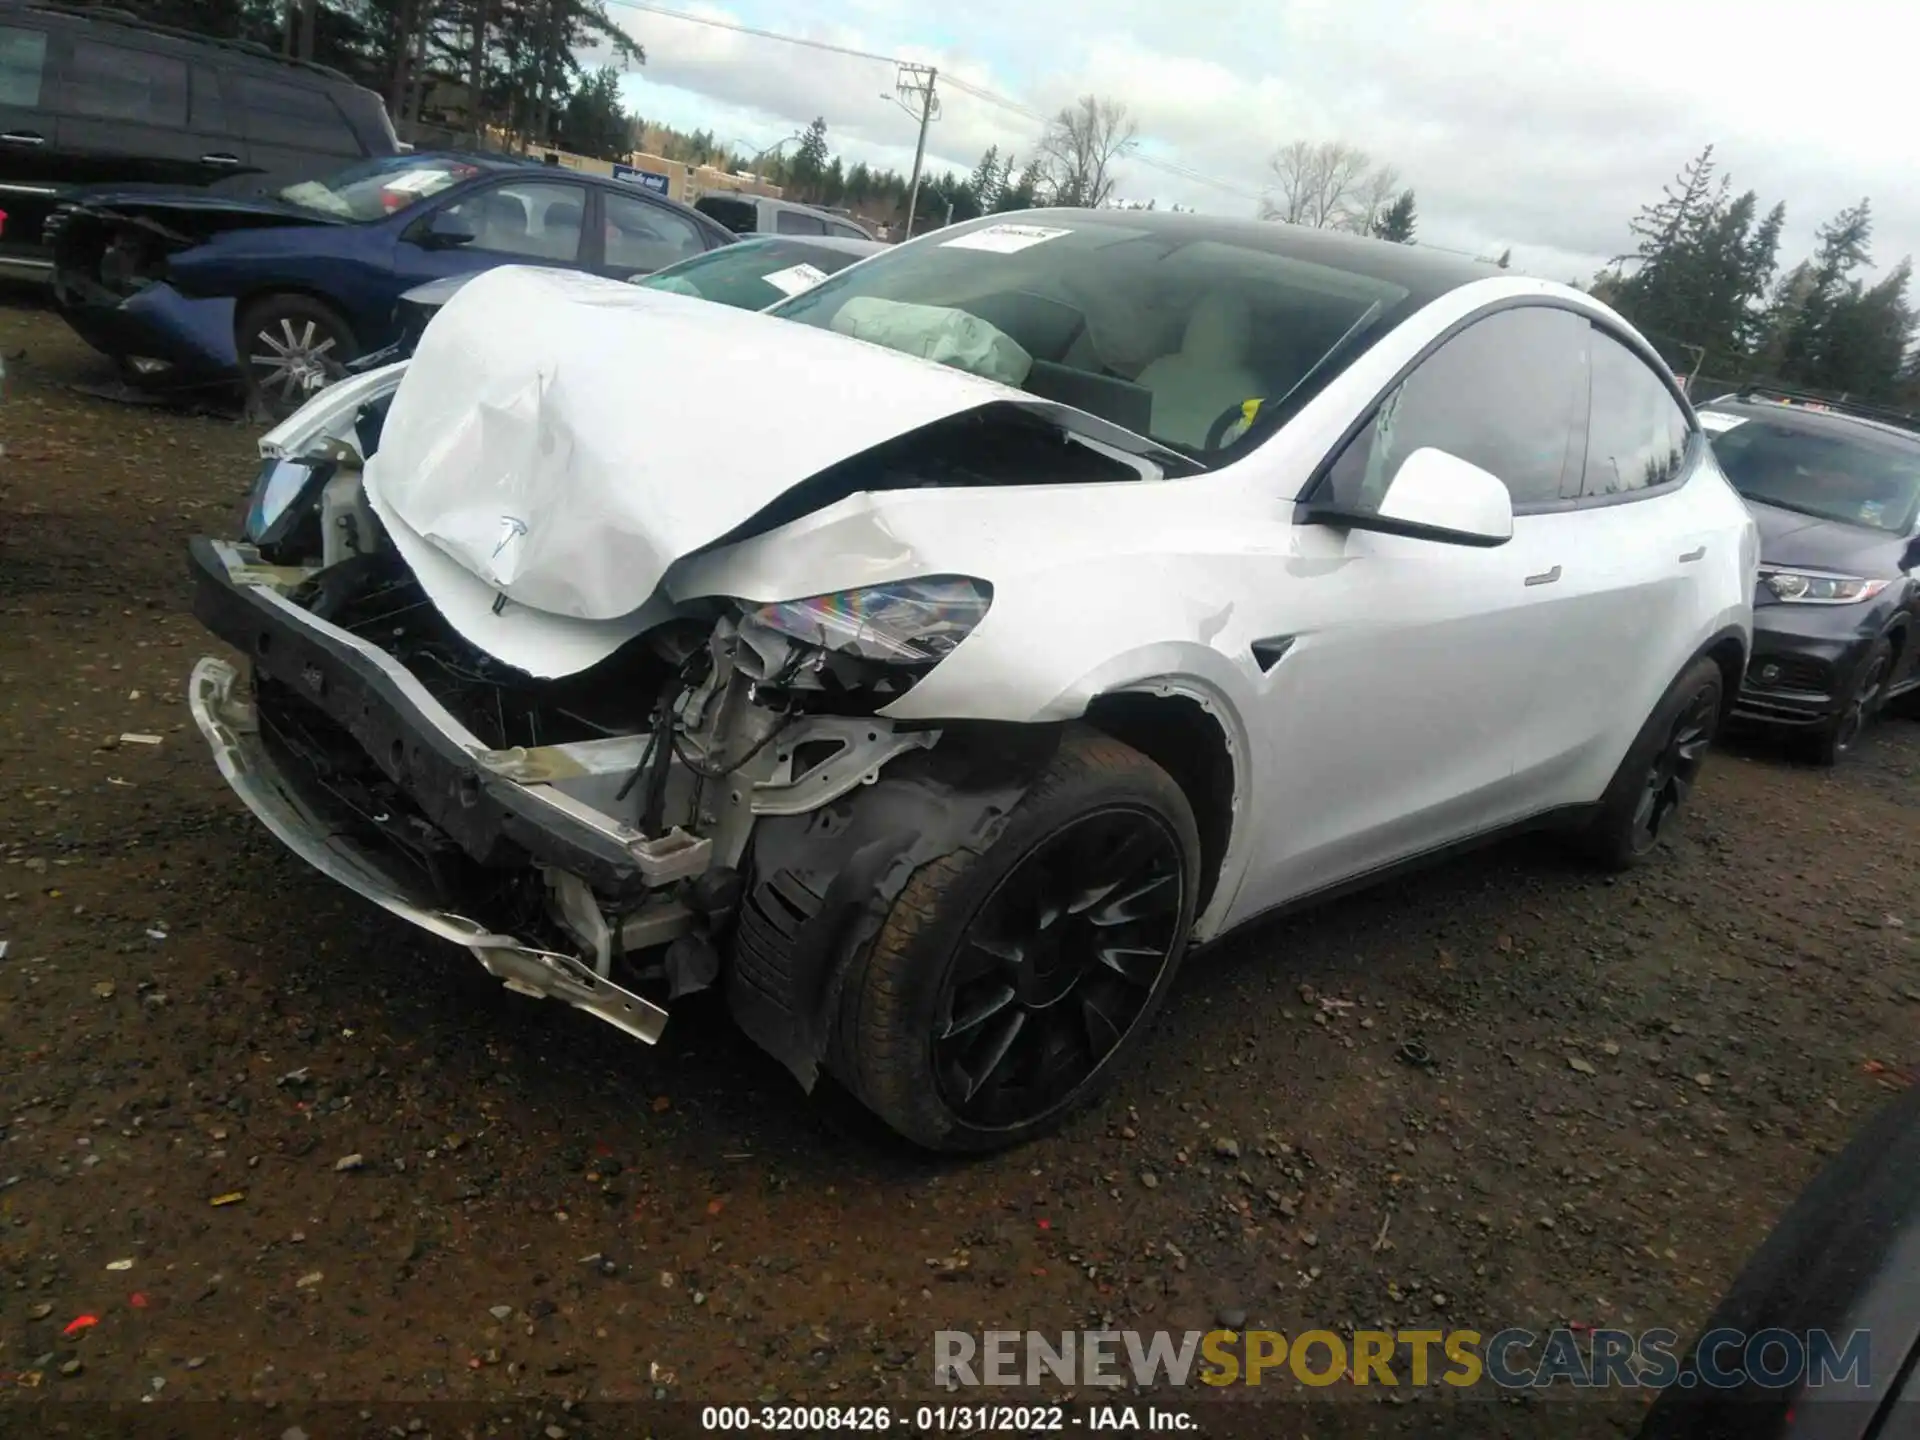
(511, 529)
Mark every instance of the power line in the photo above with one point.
(1171, 167)
(979, 92)
(739, 29)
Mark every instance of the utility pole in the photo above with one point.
(915, 82)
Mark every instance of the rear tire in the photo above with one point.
(1007, 986)
(1661, 766)
(290, 347)
(1866, 693)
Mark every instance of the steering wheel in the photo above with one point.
(1216, 432)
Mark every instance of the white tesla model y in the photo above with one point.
(929, 661)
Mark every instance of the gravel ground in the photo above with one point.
(283, 1148)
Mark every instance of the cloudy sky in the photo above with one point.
(1530, 124)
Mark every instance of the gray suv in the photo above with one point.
(763, 215)
(91, 96)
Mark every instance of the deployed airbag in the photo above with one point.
(936, 332)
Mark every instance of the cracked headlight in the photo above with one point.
(907, 622)
(1811, 587)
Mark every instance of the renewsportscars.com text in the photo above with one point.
(1510, 1359)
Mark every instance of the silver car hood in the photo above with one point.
(559, 441)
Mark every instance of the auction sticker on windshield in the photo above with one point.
(423, 182)
(795, 278)
(1005, 239)
(1716, 424)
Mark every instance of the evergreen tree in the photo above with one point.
(1397, 223)
(1700, 269)
(593, 122)
(1024, 193)
(987, 180)
(809, 164)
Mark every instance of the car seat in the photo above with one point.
(1209, 373)
(560, 230)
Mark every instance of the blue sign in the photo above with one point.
(645, 178)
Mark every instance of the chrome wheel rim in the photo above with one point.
(1058, 967)
(292, 357)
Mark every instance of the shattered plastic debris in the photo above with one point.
(134, 737)
(120, 1265)
(232, 1197)
(79, 1323)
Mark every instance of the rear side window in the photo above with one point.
(846, 232)
(1508, 394)
(738, 216)
(110, 82)
(647, 237)
(23, 60)
(292, 115)
(793, 222)
(1636, 432)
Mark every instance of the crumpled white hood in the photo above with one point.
(563, 439)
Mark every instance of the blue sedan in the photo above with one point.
(188, 289)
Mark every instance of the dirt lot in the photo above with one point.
(541, 1207)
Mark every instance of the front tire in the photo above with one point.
(1859, 708)
(1659, 771)
(1007, 986)
(290, 347)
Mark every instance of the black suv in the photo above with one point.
(1835, 488)
(92, 96)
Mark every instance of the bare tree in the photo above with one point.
(1329, 185)
(1372, 199)
(1081, 147)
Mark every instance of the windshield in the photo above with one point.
(375, 189)
(1867, 480)
(1171, 334)
(752, 274)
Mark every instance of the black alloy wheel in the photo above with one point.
(1014, 977)
(1058, 966)
(1676, 766)
(1859, 708)
(1864, 700)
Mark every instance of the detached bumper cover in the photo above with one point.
(227, 721)
(194, 337)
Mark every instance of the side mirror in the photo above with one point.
(1433, 496)
(443, 230)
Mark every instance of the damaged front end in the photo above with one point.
(715, 802)
(112, 282)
